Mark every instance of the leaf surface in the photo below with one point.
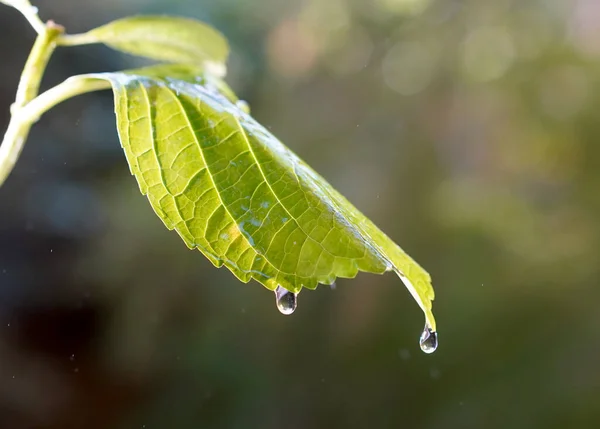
(232, 190)
(164, 38)
(188, 73)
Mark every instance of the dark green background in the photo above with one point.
(467, 130)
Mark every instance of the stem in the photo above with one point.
(28, 106)
(35, 66)
(12, 145)
(29, 85)
(75, 85)
(29, 12)
(22, 119)
(31, 15)
(76, 39)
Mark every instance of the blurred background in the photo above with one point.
(464, 129)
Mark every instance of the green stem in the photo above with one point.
(28, 106)
(35, 66)
(76, 39)
(23, 118)
(28, 88)
(29, 12)
(12, 145)
(33, 19)
(75, 85)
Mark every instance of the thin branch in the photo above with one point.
(73, 86)
(23, 118)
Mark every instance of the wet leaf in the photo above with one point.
(236, 193)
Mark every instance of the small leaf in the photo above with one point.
(163, 38)
(232, 190)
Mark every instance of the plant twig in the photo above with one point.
(29, 84)
(29, 12)
(23, 118)
(33, 71)
(75, 85)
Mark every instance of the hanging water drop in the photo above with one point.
(286, 300)
(428, 340)
(243, 106)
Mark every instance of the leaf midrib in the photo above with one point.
(214, 185)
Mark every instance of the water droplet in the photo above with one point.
(243, 106)
(428, 340)
(286, 300)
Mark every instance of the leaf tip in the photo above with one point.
(424, 295)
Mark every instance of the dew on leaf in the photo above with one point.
(286, 300)
(243, 106)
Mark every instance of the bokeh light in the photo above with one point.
(408, 67)
(488, 53)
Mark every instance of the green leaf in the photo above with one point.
(188, 73)
(232, 190)
(163, 38)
